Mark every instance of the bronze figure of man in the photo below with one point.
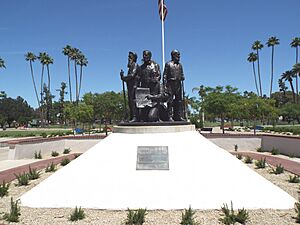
(150, 74)
(172, 79)
(131, 80)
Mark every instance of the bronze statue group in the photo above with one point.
(150, 100)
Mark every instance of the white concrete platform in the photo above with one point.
(152, 129)
(200, 174)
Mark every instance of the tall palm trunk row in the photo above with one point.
(79, 59)
(286, 76)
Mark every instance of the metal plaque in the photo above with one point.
(141, 100)
(152, 158)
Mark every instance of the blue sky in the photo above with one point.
(213, 36)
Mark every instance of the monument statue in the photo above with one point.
(131, 80)
(173, 78)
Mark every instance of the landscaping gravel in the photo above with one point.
(32, 216)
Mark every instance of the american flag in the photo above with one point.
(162, 6)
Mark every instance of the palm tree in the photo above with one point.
(2, 63)
(271, 43)
(66, 51)
(288, 76)
(41, 58)
(74, 54)
(258, 46)
(252, 57)
(31, 58)
(295, 44)
(48, 61)
(81, 61)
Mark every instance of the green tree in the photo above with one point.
(67, 52)
(48, 60)
(219, 102)
(295, 44)
(257, 45)
(296, 72)
(48, 97)
(107, 105)
(290, 112)
(31, 58)
(252, 57)
(42, 56)
(288, 76)
(15, 110)
(271, 43)
(61, 102)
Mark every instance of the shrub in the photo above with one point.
(77, 214)
(4, 189)
(239, 156)
(23, 179)
(230, 218)
(274, 151)
(297, 210)
(33, 174)
(44, 135)
(38, 155)
(294, 179)
(135, 217)
(248, 160)
(76, 156)
(13, 215)
(54, 154)
(187, 218)
(259, 149)
(278, 170)
(50, 168)
(65, 161)
(260, 164)
(66, 151)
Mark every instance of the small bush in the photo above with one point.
(76, 156)
(13, 215)
(65, 161)
(23, 179)
(230, 218)
(239, 156)
(33, 174)
(4, 189)
(44, 135)
(135, 217)
(77, 214)
(259, 149)
(274, 151)
(50, 168)
(54, 154)
(294, 179)
(297, 210)
(187, 218)
(38, 155)
(66, 151)
(248, 160)
(260, 164)
(278, 170)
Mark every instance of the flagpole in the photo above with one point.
(162, 35)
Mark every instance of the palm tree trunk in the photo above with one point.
(76, 80)
(34, 85)
(272, 70)
(80, 80)
(297, 91)
(293, 90)
(69, 74)
(253, 66)
(42, 82)
(48, 72)
(258, 69)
